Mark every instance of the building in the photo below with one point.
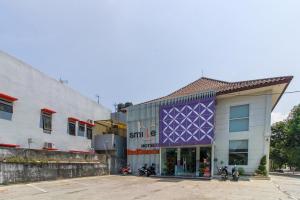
(110, 139)
(204, 125)
(42, 113)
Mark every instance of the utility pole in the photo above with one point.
(98, 98)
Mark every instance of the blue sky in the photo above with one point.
(136, 50)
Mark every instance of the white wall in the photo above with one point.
(259, 128)
(35, 91)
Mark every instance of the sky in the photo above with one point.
(137, 50)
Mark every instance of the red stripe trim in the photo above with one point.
(9, 145)
(76, 151)
(7, 97)
(87, 123)
(50, 149)
(73, 119)
(48, 111)
(142, 151)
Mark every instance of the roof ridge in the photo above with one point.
(209, 79)
(260, 79)
(212, 79)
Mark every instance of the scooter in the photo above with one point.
(223, 171)
(151, 170)
(143, 170)
(125, 170)
(235, 173)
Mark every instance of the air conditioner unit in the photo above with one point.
(48, 145)
(90, 121)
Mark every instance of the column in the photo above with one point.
(197, 160)
(212, 159)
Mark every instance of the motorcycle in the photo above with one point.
(143, 170)
(235, 173)
(125, 170)
(151, 170)
(223, 171)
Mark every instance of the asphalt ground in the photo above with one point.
(140, 188)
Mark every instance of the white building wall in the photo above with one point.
(35, 91)
(259, 129)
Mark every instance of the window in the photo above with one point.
(239, 118)
(6, 110)
(6, 106)
(81, 130)
(72, 128)
(238, 152)
(47, 122)
(89, 133)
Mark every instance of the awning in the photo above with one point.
(87, 123)
(73, 119)
(48, 111)
(7, 97)
(9, 145)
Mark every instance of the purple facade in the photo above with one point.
(187, 123)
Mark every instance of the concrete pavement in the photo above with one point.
(140, 188)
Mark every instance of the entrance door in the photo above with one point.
(188, 161)
(171, 161)
(205, 161)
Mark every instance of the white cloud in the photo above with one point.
(278, 116)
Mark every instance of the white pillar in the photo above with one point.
(160, 161)
(212, 159)
(197, 160)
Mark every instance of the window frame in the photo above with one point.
(239, 118)
(69, 129)
(238, 152)
(46, 115)
(79, 131)
(9, 104)
(89, 135)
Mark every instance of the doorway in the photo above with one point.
(188, 161)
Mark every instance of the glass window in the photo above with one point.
(89, 133)
(72, 128)
(81, 130)
(6, 110)
(238, 152)
(239, 118)
(47, 122)
(6, 106)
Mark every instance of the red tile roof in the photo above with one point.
(223, 87)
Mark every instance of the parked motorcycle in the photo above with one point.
(151, 170)
(143, 170)
(223, 171)
(126, 170)
(235, 173)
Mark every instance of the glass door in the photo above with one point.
(169, 161)
(187, 162)
(205, 162)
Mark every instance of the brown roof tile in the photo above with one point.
(223, 87)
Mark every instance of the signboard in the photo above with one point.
(187, 123)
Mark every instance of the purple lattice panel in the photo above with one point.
(187, 123)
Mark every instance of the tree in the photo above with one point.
(293, 137)
(278, 151)
(262, 169)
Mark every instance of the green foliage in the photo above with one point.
(285, 141)
(241, 171)
(262, 169)
(263, 160)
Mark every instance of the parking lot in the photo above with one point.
(138, 188)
